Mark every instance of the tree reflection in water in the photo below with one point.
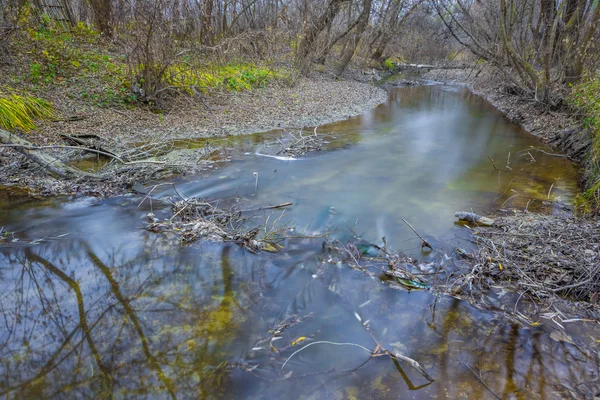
(160, 321)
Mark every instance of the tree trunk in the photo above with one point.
(102, 16)
(207, 30)
(355, 41)
(313, 31)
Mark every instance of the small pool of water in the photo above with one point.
(93, 305)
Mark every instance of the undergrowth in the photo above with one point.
(232, 77)
(585, 96)
(81, 61)
(19, 112)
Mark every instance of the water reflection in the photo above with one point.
(94, 306)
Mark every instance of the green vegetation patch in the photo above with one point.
(59, 54)
(229, 77)
(19, 112)
(585, 96)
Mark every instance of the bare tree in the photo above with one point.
(312, 32)
(537, 44)
(349, 51)
(102, 16)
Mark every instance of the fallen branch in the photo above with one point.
(33, 147)
(542, 151)
(424, 243)
(476, 218)
(78, 140)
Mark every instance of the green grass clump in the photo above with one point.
(19, 112)
(230, 77)
(585, 96)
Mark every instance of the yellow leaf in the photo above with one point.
(500, 266)
(300, 339)
(270, 248)
(536, 323)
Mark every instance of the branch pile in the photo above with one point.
(541, 255)
(195, 219)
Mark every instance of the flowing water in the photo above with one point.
(93, 305)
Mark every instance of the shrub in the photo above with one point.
(389, 64)
(230, 77)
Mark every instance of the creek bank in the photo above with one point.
(550, 259)
(560, 129)
(309, 102)
(542, 258)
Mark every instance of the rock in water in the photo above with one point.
(474, 218)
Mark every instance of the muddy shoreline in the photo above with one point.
(309, 102)
(546, 258)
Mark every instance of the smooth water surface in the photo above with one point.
(95, 306)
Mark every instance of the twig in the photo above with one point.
(481, 380)
(413, 363)
(277, 206)
(543, 151)
(509, 199)
(161, 184)
(424, 243)
(550, 191)
(325, 342)
(282, 205)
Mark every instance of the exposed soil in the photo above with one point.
(309, 102)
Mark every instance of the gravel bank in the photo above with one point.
(309, 102)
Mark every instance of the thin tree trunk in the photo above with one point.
(313, 31)
(355, 41)
(102, 16)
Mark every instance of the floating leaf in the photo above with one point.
(413, 284)
(300, 339)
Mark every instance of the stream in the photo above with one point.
(93, 305)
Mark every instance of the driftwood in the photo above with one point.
(474, 218)
(53, 165)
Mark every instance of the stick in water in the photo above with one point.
(424, 243)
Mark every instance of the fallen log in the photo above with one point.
(51, 164)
